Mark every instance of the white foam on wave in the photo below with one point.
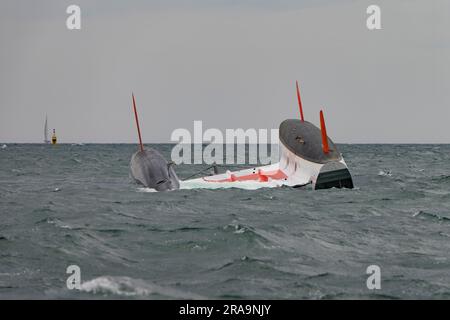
(387, 173)
(199, 184)
(58, 223)
(4, 146)
(246, 185)
(146, 190)
(129, 287)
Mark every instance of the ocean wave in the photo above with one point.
(237, 262)
(238, 228)
(269, 243)
(266, 239)
(441, 178)
(18, 172)
(43, 210)
(430, 215)
(129, 287)
(386, 173)
(54, 221)
(263, 238)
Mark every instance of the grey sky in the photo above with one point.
(232, 64)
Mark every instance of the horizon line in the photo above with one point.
(207, 143)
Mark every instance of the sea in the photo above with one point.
(71, 212)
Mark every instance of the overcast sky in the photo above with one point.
(232, 64)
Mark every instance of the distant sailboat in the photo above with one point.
(46, 141)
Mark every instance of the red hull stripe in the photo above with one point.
(260, 176)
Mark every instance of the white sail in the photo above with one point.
(46, 131)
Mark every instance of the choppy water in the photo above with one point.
(75, 204)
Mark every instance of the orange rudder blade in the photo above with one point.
(299, 102)
(323, 129)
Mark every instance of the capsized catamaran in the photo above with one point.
(307, 156)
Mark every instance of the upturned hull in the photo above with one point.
(302, 162)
